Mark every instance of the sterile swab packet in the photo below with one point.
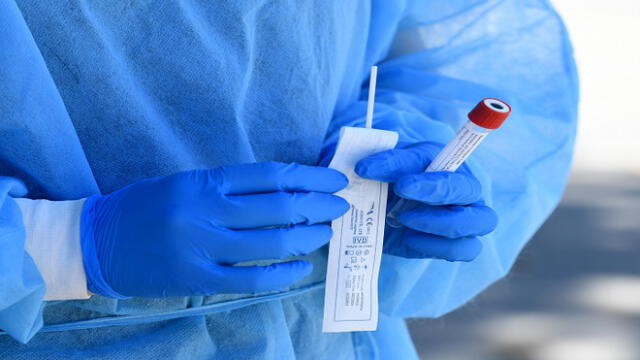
(355, 250)
(488, 115)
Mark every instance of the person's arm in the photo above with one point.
(444, 59)
(29, 98)
(22, 289)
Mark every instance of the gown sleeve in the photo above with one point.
(32, 113)
(22, 289)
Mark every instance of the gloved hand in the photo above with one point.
(447, 214)
(179, 235)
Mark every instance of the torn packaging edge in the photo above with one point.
(355, 250)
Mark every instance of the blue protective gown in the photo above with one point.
(95, 95)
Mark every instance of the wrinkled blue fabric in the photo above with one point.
(97, 95)
(179, 235)
(21, 290)
(445, 213)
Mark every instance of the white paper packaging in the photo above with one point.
(355, 250)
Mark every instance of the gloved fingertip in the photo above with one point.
(302, 268)
(433, 246)
(342, 206)
(362, 168)
(326, 232)
(376, 167)
(487, 219)
(343, 180)
(465, 251)
(317, 208)
(310, 238)
(334, 180)
(292, 272)
(492, 220)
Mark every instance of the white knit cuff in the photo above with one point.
(53, 242)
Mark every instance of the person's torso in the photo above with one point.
(153, 88)
(157, 87)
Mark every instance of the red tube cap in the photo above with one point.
(490, 113)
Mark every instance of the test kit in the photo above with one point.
(355, 250)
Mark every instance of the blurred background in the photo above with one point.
(575, 290)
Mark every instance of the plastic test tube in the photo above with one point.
(488, 115)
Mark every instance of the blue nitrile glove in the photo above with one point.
(180, 235)
(447, 214)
